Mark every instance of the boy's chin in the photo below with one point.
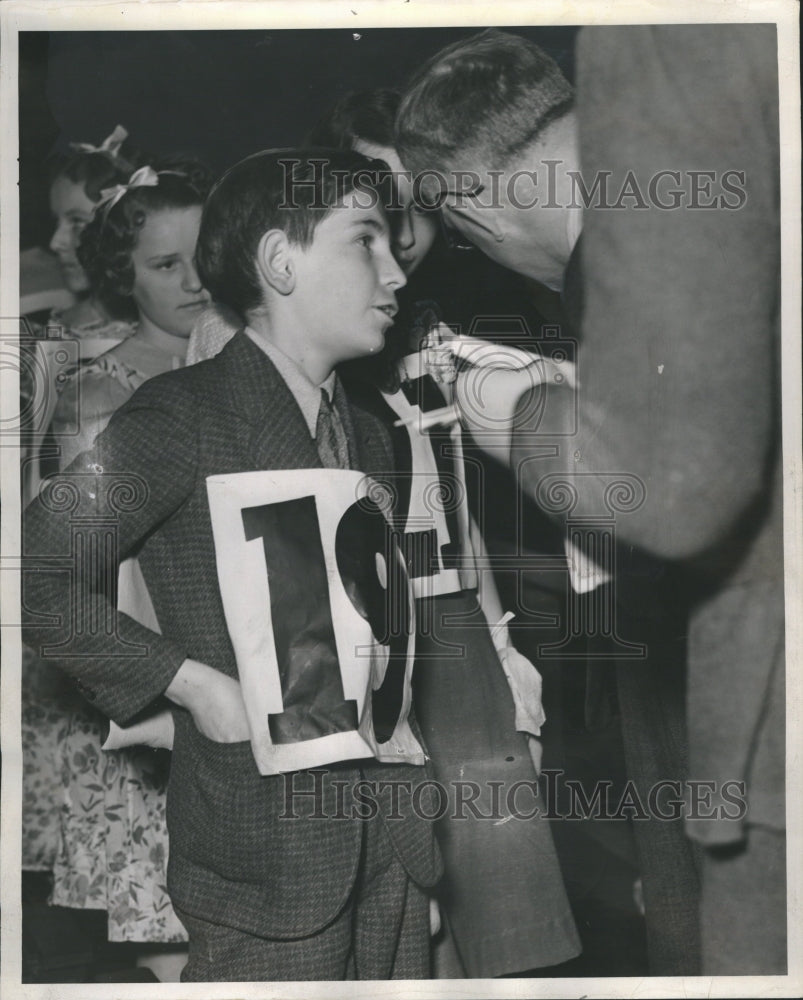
(373, 343)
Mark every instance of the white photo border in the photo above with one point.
(71, 15)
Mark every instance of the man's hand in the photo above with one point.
(214, 701)
(487, 397)
(488, 390)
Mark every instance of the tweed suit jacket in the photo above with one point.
(680, 373)
(233, 860)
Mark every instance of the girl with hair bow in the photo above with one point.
(139, 247)
(77, 181)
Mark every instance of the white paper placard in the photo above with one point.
(321, 616)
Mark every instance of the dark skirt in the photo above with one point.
(502, 890)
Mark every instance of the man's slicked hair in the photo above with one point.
(483, 99)
(289, 189)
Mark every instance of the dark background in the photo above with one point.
(217, 94)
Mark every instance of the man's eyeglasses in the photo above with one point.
(455, 240)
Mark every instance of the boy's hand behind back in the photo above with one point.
(214, 701)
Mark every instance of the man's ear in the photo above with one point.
(274, 261)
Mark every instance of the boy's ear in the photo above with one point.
(274, 261)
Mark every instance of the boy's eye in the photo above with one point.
(366, 241)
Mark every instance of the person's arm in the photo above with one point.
(506, 407)
(523, 679)
(140, 470)
(213, 699)
(678, 355)
(679, 338)
(490, 601)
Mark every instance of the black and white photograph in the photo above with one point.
(401, 469)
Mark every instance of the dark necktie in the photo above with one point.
(330, 437)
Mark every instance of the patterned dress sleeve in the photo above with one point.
(94, 394)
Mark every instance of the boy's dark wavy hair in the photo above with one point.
(111, 236)
(289, 189)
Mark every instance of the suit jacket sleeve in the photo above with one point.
(139, 471)
(679, 348)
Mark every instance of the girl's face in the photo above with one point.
(417, 229)
(167, 290)
(72, 210)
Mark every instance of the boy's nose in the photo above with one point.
(392, 276)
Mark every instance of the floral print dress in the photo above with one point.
(112, 847)
(48, 697)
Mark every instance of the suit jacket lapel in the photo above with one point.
(280, 438)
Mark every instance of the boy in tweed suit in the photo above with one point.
(263, 898)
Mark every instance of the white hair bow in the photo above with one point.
(144, 177)
(110, 145)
